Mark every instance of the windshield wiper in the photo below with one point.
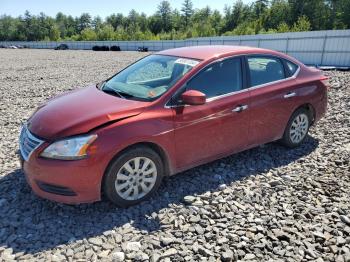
(111, 90)
(104, 87)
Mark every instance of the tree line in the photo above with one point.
(261, 16)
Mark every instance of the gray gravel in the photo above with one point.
(268, 203)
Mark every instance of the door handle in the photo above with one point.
(240, 108)
(288, 95)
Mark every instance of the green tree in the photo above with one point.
(97, 23)
(176, 21)
(261, 16)
(202, 15)
(302, 24)
(236, 15)
(343, 14)
(143, 22)
(316, 11)
(84, 21)
(106, 32)
(246, 28)
(71, 26)
(164, 12)
(155, 24)
(259, 7)
(54, 33)
(283, 28)
(133, 18)
(278, 13)
(8, 28)
(187, 12)
(116, 20)
(61, 21)
(88, 34)
(216, 22)
(339, 13)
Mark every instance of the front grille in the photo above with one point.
(53, 189)
(28, 143)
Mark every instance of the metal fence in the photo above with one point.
(322, 48)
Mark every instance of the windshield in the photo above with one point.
(149, 78)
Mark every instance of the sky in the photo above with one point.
(102, 8)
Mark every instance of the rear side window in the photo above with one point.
(219, 78)
(291, 67)
(264, 70)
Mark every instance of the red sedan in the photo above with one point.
(166, 113)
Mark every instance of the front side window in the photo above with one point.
(149, 78)
(263, 70)
(220, 78)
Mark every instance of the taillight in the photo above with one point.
(325, 81)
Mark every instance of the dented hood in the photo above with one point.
(80, 111)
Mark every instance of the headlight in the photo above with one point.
(69, 149)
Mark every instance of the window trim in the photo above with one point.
(245, 75)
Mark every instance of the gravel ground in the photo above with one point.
(268, 203)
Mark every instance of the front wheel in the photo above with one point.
(297, 128)
(133, 176)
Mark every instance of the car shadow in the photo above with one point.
(30, 224)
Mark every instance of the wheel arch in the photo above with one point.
(305, 107)
(310, 108)
(155, 147)
(160, 151)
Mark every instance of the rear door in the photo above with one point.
(219, 126)
(273, 94)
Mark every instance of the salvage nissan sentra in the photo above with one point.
(164, 114)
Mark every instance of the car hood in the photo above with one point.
(79, 111)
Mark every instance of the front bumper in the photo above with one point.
(69, 182)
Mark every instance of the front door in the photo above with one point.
(221, 125)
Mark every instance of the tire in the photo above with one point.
(125, 185)
(293, 137)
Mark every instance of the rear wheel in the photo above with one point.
(133, 176)
(297, 128)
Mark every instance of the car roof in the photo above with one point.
(206, 52)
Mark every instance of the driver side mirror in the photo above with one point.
(193, 97)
